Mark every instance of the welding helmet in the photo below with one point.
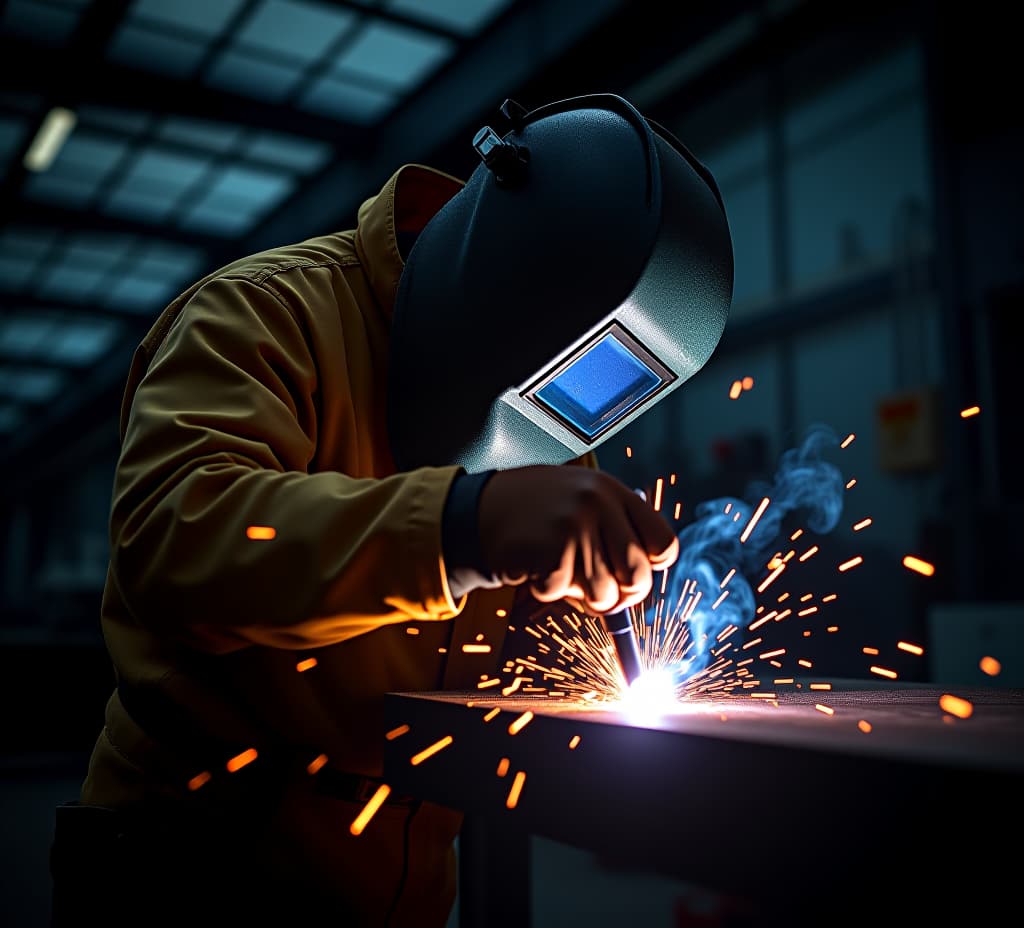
(582, 273)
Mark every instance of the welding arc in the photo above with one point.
(619, 626)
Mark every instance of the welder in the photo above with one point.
(342, 461)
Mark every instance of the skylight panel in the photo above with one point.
(394, 55)
(171, 55)
(462, 16)
(165, 261)
(199, 133)
(218, 219)
(25, 336)
(252, 76)
(12, 136)
(64, 281)
(300, 30)
(88, 155)
(52, 25)
(82, 342)
(10, 417)
(62, 190)
(342, 99)
(247, 189)
(139, 295)
(208, 17)
(151, 206)
(167, 172)
(99, 252)
(34, 385)
(289, 151)
(127, 122)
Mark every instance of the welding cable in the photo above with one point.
(415, 807)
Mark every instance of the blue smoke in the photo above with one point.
(710, 546)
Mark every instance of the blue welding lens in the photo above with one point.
(606, 382)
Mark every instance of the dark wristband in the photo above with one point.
(460, 530)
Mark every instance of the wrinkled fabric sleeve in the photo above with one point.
(215, 459)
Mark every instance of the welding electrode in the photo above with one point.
(620, 626)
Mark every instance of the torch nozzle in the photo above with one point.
(619, 626)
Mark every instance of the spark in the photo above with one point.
(657, 494)
(476, 649)
(748, 383)
(851, 483)
(493, 681)
(864, 523)
(871, 651)
(754, 519)
(852, 562)
(821, 686)
(803, 662)
(990, 666)
(241, 760)
(969, 411)
(864, 725)
(431, 750)
(883, 672)
(490, 715)
(796, 534)
(767, 581)
(520, 723)
(954, 705)
(503, 765)
(370, 809)
(678, 509)
(316, 764)
(720, 600)
(922, 567)
(726, 579)
(846, 441)
(308, 664)
(829, 598)
(912, 648)
(810, 610)
(397, 732)
(517, 788)
(774, 653)
(574, 742)
(260, 532)
(735, 390)
(412, 630)
(199, 780)
(825, 709)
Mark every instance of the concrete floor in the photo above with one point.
(568, 886)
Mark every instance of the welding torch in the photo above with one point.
(619, 626)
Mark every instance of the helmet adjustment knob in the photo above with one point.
(505, 160)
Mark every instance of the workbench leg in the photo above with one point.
(494, 875)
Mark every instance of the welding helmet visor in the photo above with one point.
(583, 272)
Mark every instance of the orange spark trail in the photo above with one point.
(397, 732)
(765, 583)
(969, 411)
(308, 664)
(316, 764)
(260, 532)
(370, 809)
(200, 779)
(490, 715)
(240, 760)
(912, 648)
(520, 723)
(990, 666)
(476, 649)
(846, 441)
(503, 765)
(851, 483)
(748, 383)
(883, 672)
(824, 709)
(762, 506)
(864, 726)
(657, 494)
(735, 390)
(727, 578)
(852, 562)
(573, 741)
(864, 523)
(954, 705)
(922, 567)
(517, 788)
(430, 751)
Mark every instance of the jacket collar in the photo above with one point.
(408, 201)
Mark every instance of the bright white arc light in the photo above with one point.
(51, 136)
(651, 694)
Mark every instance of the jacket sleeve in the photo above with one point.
(216, 454)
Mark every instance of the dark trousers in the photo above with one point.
(111, 870)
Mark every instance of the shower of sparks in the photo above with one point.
(260, 532)
(308, 664)
(240, 760)
(370, 809)
(954, 705)
(990, 666)
(517, 788)
(316, 764)
(916, 564)
(431, 750)
(969, 411)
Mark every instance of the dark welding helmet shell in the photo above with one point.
(596, 221)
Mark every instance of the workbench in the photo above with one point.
(824, 808)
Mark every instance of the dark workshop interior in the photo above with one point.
(869, 159)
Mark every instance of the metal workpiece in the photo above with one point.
(793, 803)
